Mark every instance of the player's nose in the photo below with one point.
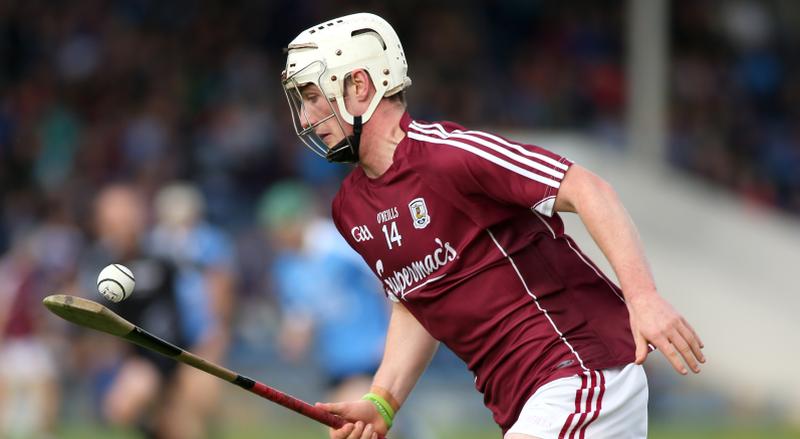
(307, 120)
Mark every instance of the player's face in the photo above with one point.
(120, 218)
(315, 115)
(322, 115)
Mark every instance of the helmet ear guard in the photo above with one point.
(324, 55)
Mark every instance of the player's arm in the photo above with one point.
(653, 320)
(214, 341)
(409, 349)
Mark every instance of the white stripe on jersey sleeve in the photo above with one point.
(439, 131)
(481, 153)
(522, 150)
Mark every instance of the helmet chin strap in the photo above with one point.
(346, 151)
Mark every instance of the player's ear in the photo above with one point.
(361, 84)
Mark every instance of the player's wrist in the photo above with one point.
(387, 395)
(638, 287)
(383, 408)
(641, 298)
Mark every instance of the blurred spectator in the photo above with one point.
(330, 301)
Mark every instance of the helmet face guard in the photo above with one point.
(311, 110)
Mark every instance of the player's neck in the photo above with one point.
(379, 139)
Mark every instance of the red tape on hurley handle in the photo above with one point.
(291, 402)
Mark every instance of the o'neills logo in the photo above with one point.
(398, 283)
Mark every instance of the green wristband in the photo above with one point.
(384, 408)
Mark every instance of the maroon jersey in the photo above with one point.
(461, 230)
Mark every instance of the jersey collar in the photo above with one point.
(405, 121)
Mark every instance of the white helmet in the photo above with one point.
(324, 55)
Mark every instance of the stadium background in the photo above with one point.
(690, 108)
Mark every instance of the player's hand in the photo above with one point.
(366, 422)
(655, 321)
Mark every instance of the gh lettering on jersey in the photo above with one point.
(387, 215)
(361, 233)
(399, 282)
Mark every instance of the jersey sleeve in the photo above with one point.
(479, 163)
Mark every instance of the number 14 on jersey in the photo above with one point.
(392, 235)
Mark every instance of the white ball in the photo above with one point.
(115, 282)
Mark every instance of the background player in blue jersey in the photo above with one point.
(203, 256)
(331, 302)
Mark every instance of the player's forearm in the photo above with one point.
(612, 228)
(609, 224)
(409, 349)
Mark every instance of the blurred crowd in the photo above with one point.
(735, 97)
(146, 91)
(144, 97)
